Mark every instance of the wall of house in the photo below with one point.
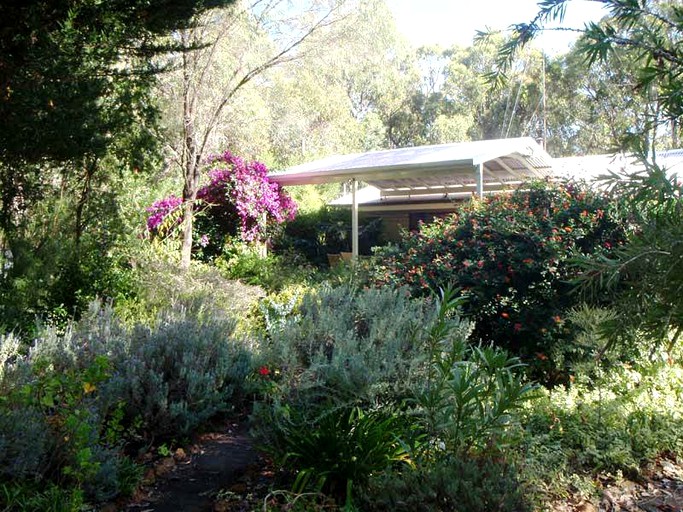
(393, 222)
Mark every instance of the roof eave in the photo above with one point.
(321, 175)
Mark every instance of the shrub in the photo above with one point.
(362, 344)
(30, 498)
(613, 424)
(201, 289)
(341, 449)
(75, 400)
(271, 272)
(470, 393)
(175, 376)
(381, 378)
(55, 391)
(449, 485)
(238, 201)
(512, 257)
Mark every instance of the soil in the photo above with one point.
(659, 489)
(223, 472)
(192, 479)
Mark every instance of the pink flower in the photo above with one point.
(240, 188)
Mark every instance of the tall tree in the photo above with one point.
(645, 33)
(238, 45)
(334, 100)
(75, 78)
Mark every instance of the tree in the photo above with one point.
(75, 111)
(649, 35)
(239, 202)
(644, 33)
(238, 45)
(452, 103)
(335, 99)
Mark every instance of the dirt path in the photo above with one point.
(189, 482)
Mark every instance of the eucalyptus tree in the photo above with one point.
(589, 109)
(335, 100)
(512, 111)
(351, 87)
(452, 102)
(237, 47)
(645, 34)
(426, 115)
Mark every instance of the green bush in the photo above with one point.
(74, 402)
(381, 378)
(271, 272)
(52, 275)
(613, 424)
(174, 376)
(470, 393)
(338, 451)
(201, 289)
(56, 392)
(512, 257)
(449, 485)
(33, 498)
(359, 344)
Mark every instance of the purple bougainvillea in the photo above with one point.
(237, 200)
(160, 210)
(246, 186)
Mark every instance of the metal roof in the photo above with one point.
(438, 169)
(591, 168)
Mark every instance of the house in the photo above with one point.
(419, 182)
(409, 185)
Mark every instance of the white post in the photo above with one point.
(354, 220)
(479, 177)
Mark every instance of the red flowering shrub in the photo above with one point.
(512, 257)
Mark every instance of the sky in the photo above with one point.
(448, 22)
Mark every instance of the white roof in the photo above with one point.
(592, 167)
(581, 168)
(438, 169)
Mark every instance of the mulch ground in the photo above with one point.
(193, 478)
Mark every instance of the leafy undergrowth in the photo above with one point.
(660, 488)
(202, 288)
(466, 431)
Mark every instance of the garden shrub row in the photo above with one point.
(361, 382)
(75, 405)
(383, 402)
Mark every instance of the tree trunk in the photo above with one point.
(90, 167)
(190, 165)
(188, 221)
(191, 172)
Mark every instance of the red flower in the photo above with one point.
(264, 370)
(505, 315)
(517, 327)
